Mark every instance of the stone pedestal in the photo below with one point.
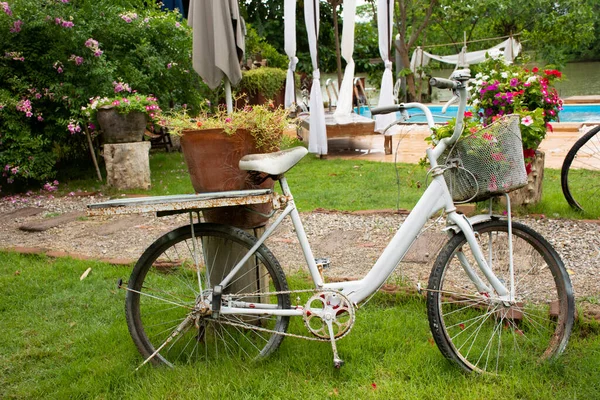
(532, 192)
(127, 165)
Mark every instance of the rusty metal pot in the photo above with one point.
(212, 158)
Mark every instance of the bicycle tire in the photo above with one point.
(164, 287)
(483, 334)
(579, 191)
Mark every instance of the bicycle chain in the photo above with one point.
(257, 328)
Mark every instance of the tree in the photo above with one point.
(334, 7)
(414, 17)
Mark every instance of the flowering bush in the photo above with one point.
(265, 122)
(57, 54)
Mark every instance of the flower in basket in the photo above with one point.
(489, 157)
(265, 123)
(502, 88)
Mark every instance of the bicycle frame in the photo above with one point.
(435, 198)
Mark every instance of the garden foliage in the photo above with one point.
(55, 55)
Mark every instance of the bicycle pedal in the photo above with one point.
(324, 262)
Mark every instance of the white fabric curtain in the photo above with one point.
(385, 14)
(289, 17)
(510, 48)
(344, 104)
(317, 142)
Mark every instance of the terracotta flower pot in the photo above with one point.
(212, 158)
(121, 128)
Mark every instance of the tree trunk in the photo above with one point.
(127, 165)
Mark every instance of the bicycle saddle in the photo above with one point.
(276, 163)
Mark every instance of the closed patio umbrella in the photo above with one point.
(218, 42)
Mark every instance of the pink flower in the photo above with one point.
(527, 121)
(91, 43)
(498, 156)
(98, 53)
(116, 103)
(68, 24)
(6, 8)
(228, 120)
(16, 26)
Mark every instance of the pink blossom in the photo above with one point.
(527, 121)
(498, 156)
(91, 43)
(228, 120)
(73, 127)
(16, 26)
(116, 103)
(68, 24)
(6, 8)
(98, 53)
(40, 118)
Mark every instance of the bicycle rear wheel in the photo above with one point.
(580, 174)
(483, 334)
(165, 288)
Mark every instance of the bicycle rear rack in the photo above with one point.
(181, 203)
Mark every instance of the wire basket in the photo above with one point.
(486, 163)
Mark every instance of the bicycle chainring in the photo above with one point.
(325, 306)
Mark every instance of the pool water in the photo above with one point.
(570, 113)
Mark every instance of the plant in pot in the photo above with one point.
(122, 118)
(213, 145)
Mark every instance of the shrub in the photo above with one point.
(57, 54)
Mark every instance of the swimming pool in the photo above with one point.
(570, 113)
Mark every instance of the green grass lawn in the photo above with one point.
(345, 185)
(63, 338)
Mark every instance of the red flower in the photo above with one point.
(468, 114)
(535, 70)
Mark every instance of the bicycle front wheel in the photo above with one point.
(478, 331)
(580, 174)
(176, 272)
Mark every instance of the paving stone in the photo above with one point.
(47, 223)
(25, 250)
(75, 256)
(119, 225)
(21, 213)
(118, 261)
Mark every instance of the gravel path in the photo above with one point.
(352, 241)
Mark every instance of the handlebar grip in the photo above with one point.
(442, 83)
(385, 109)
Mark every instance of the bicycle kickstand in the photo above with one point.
(337, 361)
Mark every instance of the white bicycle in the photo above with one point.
(498, 293)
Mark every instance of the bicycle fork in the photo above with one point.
(504, 294)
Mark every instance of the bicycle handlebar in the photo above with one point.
(386, 109)
(442, 83)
